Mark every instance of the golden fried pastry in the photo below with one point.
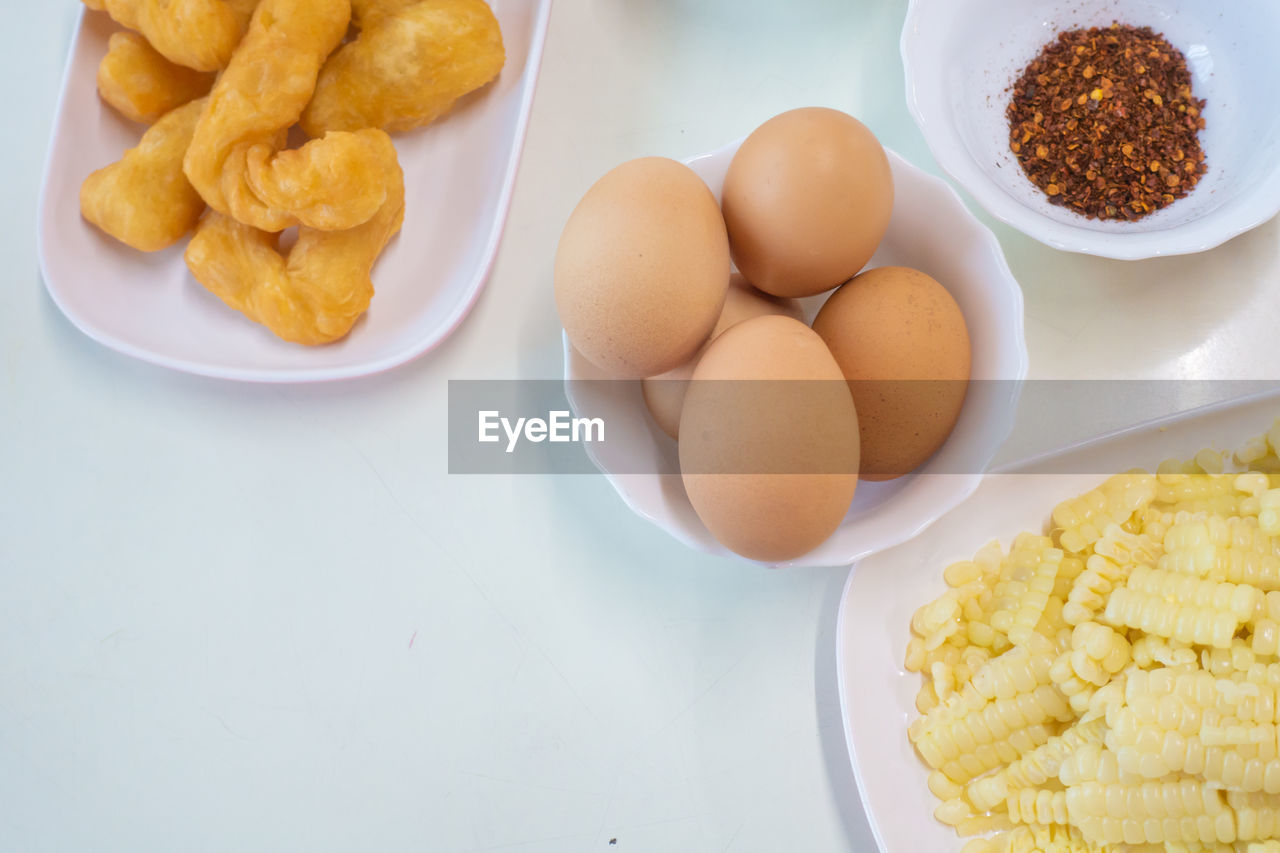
(364, 11)
(243, 10)
(145, 200)
(141, 84)
(332, 183)
(315, 293)
(411, 61)
(200, 34)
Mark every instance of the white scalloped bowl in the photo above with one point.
(961, 56)
(930, 230)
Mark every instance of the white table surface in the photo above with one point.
(265, 618)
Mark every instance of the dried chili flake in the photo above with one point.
(1104, 122)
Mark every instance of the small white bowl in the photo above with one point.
(961, 57)
(930, 230)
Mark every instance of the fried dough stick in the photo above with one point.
(315, 293)
(145, 200)
(411, 61)
(141, 84)
(200, 34)
(363, 12)
(243, 10)
(333, 183)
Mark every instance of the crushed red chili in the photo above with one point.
(1104, 121)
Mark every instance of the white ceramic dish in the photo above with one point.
(930, 230)
(459, 174)
(877, 696)
(960, 57)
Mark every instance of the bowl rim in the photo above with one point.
(1198, 235)
(1020, 364)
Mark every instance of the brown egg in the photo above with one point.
(806, 200)
(769, 463)
(902, 343)
(664, 393)
(642, 268)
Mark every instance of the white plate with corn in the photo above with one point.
(1081, 661)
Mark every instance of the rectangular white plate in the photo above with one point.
(459, 174)
(877, 695)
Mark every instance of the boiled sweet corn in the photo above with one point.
(1115, 688)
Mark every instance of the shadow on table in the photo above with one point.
(835, 750)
